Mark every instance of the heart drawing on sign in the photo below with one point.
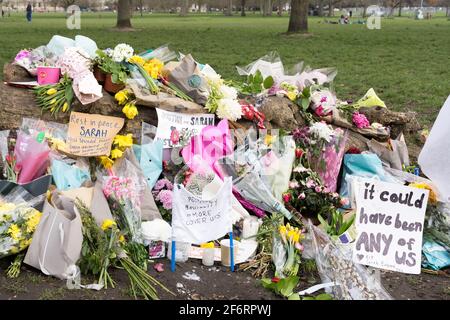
(360, 256)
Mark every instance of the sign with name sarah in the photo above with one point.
(91, 135)
(176, 129)
(389, 222)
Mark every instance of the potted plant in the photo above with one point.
(114, 73)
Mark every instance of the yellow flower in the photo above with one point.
(124, 141)
(116, 154)
(33, 221)
(296, 237)
(268, 139)
(432, 197)
(121, 96)
(51, 91)
(14, 232)
(65, 107)
(108, 224)
(53, 101)
(7, 207)
(106, 162)
(207, 245)
(130, 111)
(154, 68)
(282, 229)
(291, 95)
(137, 60)
(14, 250)
(290, 234)
(24, 244)
(121, 238)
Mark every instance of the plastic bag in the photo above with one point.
(436, 256)
(354, 281)
(69, 176)
(150, 159)
(32, 157)
(279, 256)
(51, 129)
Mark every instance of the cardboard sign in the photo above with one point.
(389, 222)
(176, 129)
(91, 135)
(196, 220)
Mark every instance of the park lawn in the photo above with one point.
(406, 61)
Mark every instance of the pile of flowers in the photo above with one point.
(127, 100)
(120, 144)
(55, 98)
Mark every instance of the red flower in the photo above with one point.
(298, 153)
(275, 279)
(319, 111)
(287, 197)
(353, 150)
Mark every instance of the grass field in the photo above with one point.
(406, 62)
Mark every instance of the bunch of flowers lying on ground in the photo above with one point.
(106, 246)
(222, 99)
(307, 195)
(120, 144)
(55, 97)
(17, 225)
(163, 193)
(291, 239)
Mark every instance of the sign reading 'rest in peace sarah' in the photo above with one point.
(91, 135)
(389, 223)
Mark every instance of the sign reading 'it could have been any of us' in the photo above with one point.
(389, 223)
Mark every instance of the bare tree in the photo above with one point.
(243, 8)
(184, 8)
(298, 21)
(124, 14)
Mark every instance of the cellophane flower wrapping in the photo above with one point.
(18, 221)
(354, 281)
(328, 163)
(124, 190)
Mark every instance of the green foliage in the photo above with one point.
(284, 287)
(117, 70)
(334, 223)
(255, 84)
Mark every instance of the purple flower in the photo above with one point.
(301, 135)
(165, 197)
(360, 120)
(310, 183)
(163, 183)
(23, 54)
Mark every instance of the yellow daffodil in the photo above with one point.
(282, 229)
(51, 91)
(154, 68)
(130, 111)
(291, 95)
(124, 141)
(121, 96)
(432, 197)
(65, 107)
(137, 60)
(14, 232)
(268, 139)
(108, 224)
(207, 245)
(121, 239)
(53, 101)
(106, 162)
(116, 154)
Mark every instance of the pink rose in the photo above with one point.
(301, 196)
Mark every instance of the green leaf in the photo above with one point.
(308, 298)
(294, 296)
(287, 285)
(324, 296)
(268, 82)
(258, 78)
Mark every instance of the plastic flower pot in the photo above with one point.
(112, 87)
(99, 75)
(48, 75)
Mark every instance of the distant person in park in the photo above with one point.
(3, 13)
(29, 12)
(351, 13)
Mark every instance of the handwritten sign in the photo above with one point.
(196, 220)
(389, 222)
(91, 135)
(176, 129)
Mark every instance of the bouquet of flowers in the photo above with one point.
(291, 241)
(120, 144)
(30, 59)
(163, 193)
(55, 97)
(106, 246)
(307, 195)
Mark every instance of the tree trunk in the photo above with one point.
(124, 14)
(280, 8)
(267, 8)
(243, 8)
(364, 11)
(400, 4)
(184, 8)
(331, 8)
(320, 10)
(298, 21)
(447, 12)
(229, 11)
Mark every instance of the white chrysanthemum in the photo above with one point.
(321, 130)
(122, 52)
(228, 92)
(229, 109)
